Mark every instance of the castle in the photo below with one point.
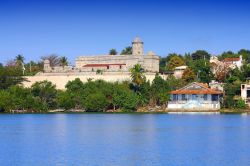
(110, 63)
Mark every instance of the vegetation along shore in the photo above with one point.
(136, 95)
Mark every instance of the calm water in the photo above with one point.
(124, 139)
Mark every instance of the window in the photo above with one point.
(194, 96)
(243, 87)
(183, 97)
(120, 66)
(215, 97)
(107, 67)
(175, 97)
(205, 97)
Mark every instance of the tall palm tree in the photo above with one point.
(112, 52)
(137, 75)
(64, 61)
(19, 59)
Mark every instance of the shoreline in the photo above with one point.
(191, 112)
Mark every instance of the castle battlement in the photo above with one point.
(111, 63)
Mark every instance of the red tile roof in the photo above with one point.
(103, 65)
(231, 59)
(203, 90)
(185, 91)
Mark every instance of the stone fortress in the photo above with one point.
(113, 67)
(110, 63)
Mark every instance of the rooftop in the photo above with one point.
(201, 89)
(103, 65)
(137, 40)
(231, 59)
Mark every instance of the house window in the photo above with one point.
(194, 96)
(183, 96)
(120, 66)
(205, 96)
(215, 97)
(175, 97)
(243, 87)
(107, 67)
(248, 93)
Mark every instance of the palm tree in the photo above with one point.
(112, 52)
(137, 75)
(127, 51)
(19, 59)
(63, 61)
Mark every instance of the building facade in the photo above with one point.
(178, 71)
(195, 96)
(226, 64)
(112, 63)
(245, 93)
(149, 62)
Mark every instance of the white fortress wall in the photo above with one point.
(61, 80)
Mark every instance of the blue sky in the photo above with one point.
(72, 28)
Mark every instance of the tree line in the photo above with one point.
(97, 96)
(129, 95)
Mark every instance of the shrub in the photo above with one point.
(96, 102)
(240, 104)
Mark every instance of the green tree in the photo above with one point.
(46, 92)
(200, 54)
(137, 75)
(203, 70)
(159, 91)
(6, 101)
(174, 62)
(144, 93)
(245, 55)
(228, 54)
(175, 83)
(96, 102)
(241, 104)
(124, 98)
(188, 75)
(112, 52)
(19, 60)
(127, 51)
(64, 61)
(9, 76)
(65, 100)
(75, 91)
(232, 89)
(162, 64)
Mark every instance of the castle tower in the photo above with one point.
(46, 66)
(137, 46)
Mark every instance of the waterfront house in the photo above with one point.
(195, 96)
(245, 92)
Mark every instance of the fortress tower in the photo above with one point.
(46, 66)
(137, 46)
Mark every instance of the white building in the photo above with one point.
(195, 96)
(227, 63)
(178, 71)
(245, 93)
(234, 62)
(111, 63)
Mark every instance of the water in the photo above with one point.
(124, 140)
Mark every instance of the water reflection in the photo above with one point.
(124, 139)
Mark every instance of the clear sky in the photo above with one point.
(71, 28)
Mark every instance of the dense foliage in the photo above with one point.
(102, 96)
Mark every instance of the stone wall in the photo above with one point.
(149, 62)
(60, 80)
